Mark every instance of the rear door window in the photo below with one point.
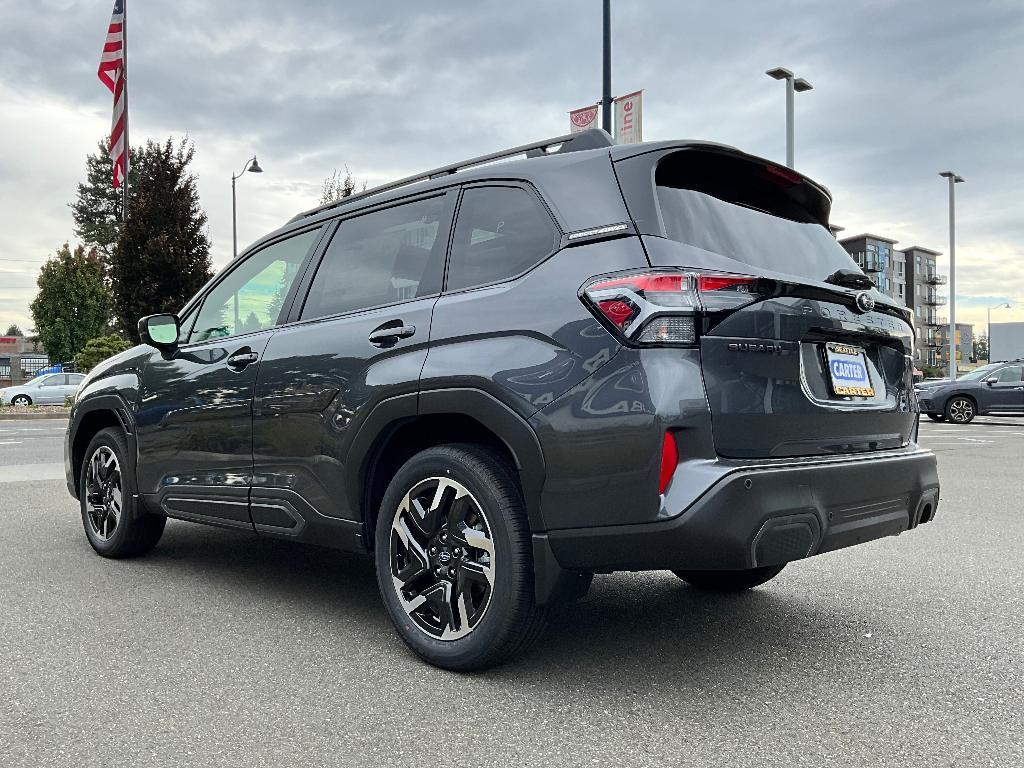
(380, 258)
(501, 232)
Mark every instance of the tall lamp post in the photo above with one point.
(793, 85)
(252, 167)
(953, 181)
(606, 67)
(988, 327)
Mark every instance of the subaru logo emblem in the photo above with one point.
(864, 302)
(444, 556)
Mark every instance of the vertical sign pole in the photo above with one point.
(606, 88)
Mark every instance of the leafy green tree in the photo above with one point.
(99, 349)
(13, 330)
(97, 208)
(162, 256)
(73, 302)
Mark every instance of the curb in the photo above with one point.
(32, 416)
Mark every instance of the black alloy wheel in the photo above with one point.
(454, 558)
(442, 558)
(960, 410)
(104, 495)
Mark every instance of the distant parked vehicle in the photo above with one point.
(993, 388)
(51, 389)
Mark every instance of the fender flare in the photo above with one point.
(110, 402)
(512, 429)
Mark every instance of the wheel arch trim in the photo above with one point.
(510, 428)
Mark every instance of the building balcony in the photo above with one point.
(934, 341)
(872, 265)
(934, 300)
(937, 322)
(933, 278)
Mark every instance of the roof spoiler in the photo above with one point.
(594, 138)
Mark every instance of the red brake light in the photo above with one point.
(669, 461)
(784, 173)
(719, 282)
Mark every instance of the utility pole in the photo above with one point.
(953, 180)
(606, 88)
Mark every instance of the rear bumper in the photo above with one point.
(769, 513)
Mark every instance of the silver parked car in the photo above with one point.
(50, 389)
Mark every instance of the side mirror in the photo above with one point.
(160, 331)
(991, 380)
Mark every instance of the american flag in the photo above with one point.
(111, 74)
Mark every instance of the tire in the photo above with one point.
(21, 400)
(114, 525)
(455, 567)
(936, 416)
(961, 410)
(730, 581)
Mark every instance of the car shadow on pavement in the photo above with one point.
(632, 629)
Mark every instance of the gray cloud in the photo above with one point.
(902, 91)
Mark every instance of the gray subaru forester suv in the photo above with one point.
(498, 378)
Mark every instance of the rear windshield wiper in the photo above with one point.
(850, 278)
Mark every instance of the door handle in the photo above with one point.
(242, 358)
(389, 334)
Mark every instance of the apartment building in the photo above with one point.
(910, 276)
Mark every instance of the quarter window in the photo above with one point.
(1010, 374)
(379, 258)
(501, 232)
(251, 297)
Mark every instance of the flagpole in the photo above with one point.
(124, 94)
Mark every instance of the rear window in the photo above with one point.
(748, 211)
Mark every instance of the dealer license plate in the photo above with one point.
(848, 370)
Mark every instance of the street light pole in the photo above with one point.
(953, 180)
(252, 167)
(988, 329)
(606, 74)
(793, 85)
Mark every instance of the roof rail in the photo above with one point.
(593, 138)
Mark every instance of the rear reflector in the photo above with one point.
(669, 461)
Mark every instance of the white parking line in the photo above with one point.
(10, 442)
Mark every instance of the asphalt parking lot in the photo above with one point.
(223, 650)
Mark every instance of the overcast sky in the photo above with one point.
(903, 89)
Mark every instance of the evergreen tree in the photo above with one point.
(162, 253)
(97, 208)
(73, 303)
(13, 330)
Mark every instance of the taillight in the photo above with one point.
(666, 307)
(669, 461)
